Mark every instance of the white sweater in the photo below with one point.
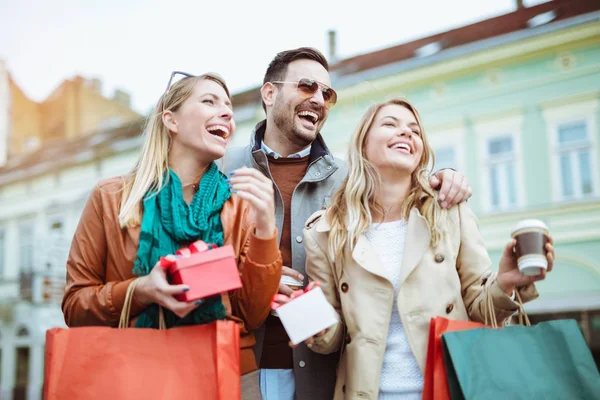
(401, 377)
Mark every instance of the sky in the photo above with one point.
(133, 45)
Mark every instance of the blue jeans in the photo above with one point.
(277, 384)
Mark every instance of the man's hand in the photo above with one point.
(453, 186)
(287, 271)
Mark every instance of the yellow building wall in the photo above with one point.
(75, 109)
(24, 120)
(96, 109)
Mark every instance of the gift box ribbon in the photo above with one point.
(197, 247)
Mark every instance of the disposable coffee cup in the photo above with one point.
(292, 283)
(532, 236)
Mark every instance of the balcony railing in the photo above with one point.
(40, 287)
(52, 287)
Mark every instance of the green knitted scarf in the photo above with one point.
(168, 224)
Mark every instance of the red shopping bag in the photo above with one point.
(100, 363)
(435, 386)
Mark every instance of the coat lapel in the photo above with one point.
(365, 256)
(417, 242)
(418, 237)
(363, 253)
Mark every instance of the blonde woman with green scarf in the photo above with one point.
(176, 195)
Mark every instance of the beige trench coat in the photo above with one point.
(449, 280)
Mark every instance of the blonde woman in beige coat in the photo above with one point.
(389, 259)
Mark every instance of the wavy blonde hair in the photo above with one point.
(149, 170)
(353, 204)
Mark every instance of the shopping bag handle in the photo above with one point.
(126, 311)
(523, 317)
(490, 312)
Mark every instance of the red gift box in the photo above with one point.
(206, 269)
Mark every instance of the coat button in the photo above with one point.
(449, 308)
(317, 174)
(343, 388)
(439, 258)
(299, 239)
(348, 338)
(302, 364)
(344, 287)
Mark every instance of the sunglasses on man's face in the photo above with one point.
(308, 87)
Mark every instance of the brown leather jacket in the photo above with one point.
(100, 264)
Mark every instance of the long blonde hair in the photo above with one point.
(353, 204)
(149, 170)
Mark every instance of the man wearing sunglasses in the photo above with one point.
(288, 148)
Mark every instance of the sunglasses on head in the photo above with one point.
(308, 87)
(177, 76)
(180, 75)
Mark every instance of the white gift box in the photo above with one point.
(307, 315)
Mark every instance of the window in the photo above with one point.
(2, 251)
(575, 160)
(445, 157)
(26, 246)
(22, 367)
(57, 250)
(501, 172)
(448, 148)
(499, 161)
(22, 332)
(572, 127)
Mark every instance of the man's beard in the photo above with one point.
(285, 121)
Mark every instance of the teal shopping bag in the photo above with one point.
(547, 361)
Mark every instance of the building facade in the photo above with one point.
(513, 102)
(44, 183)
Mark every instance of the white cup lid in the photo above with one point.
(529, 223)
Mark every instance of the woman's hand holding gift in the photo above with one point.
(251, 185)
(155, 288)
